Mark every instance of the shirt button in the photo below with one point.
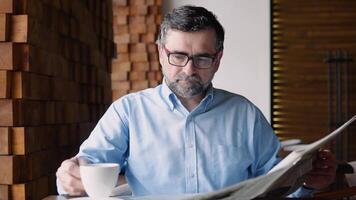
(190, 145)
(192, 175)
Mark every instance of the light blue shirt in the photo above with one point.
(168, 150)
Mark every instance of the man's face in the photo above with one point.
(189, 81)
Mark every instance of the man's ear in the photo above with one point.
(160, 53)
(217, 59)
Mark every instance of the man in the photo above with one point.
(185, 136)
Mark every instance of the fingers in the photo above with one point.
(325, 154)
(68, 175)
(82, 161)
(324, 170)
(325, 157)
(71, 166)
(325, 163)
(70, 184)
(319, 179)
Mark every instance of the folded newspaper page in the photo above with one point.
(281, 180)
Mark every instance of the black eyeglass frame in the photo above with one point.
(193, 57)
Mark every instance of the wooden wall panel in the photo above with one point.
(5, 192)
(10, 169)
(135, 28)
(19, 28)
(37, 189)
(6, 6)
(13, 56)
(4, 27)
(5, 83)
(26, 140)
(7, 115)
(5, 141)
(55, 59)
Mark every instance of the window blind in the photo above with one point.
(313, 76)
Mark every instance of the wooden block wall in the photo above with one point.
(55, 84)
(136, 66)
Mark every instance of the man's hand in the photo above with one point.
(324, 171)
(68, 175)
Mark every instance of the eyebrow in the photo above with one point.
(180, 52)
(204, 55)
(196, 55)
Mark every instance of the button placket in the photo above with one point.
(191, 156)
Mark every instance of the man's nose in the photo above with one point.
(189, 68)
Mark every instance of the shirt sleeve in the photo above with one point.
(108, 142)
(266, 145)
(302, 192)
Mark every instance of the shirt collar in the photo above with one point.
(168, 95)
(208, 97)
(172, 99)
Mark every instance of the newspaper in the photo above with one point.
(281, 180)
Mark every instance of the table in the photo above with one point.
(156, 198)
(153, 197)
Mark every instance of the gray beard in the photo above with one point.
(195, 85)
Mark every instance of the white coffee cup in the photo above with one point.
(99, 179)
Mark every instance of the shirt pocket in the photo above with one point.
(231, 164)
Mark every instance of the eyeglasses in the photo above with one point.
(181, 59)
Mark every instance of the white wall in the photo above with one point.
(245, 67)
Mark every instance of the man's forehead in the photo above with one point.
(208, 32)
(204, 39)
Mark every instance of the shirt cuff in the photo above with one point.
(302, 192)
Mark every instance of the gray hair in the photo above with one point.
(191, 19)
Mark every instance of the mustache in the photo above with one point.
(184, 77)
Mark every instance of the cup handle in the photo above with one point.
(122, 190)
